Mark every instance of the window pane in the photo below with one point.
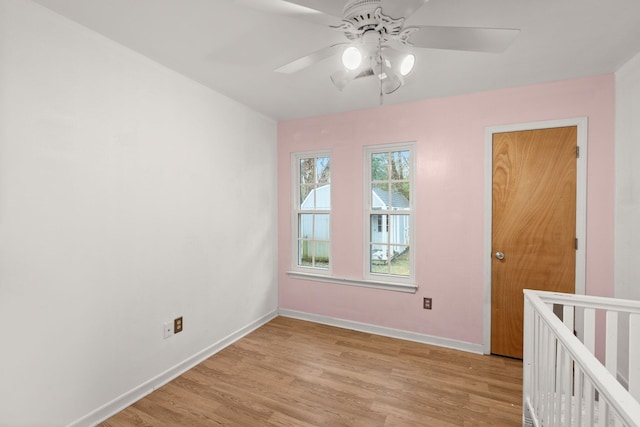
(307, 196)
(399, 229)
(379, 228)
(378, 261)
(321, 229)
(400, 165)
(323, 170)
(380, 166)
(305, 226)
(400, 261)
(322, 254)
(307, 171)
(379, 253)
(304, 253)
(380, 196)
(323, 197)
(396, 251)
(379, 268)
(400, 195)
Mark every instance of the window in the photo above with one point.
(389, 215)
(311, 210)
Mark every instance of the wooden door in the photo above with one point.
(533, 225)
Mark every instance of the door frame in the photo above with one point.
(581, 205)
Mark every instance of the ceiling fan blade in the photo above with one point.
(401, 8)
(493, 40)
(330, 7)
(306, 61)
(327, 13)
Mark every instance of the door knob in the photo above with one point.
(499, 255)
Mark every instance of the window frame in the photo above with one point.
(388, 278)
(296, 210)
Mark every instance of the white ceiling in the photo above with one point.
(233, 46)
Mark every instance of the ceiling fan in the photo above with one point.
(379, 44)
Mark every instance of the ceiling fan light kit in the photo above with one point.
(351, 58)
(388, 64)
(368, 53)
(407, 64)
(380, 45)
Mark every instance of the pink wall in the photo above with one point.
(449, 133)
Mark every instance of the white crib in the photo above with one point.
(564, 383)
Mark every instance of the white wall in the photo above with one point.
(627, 247)
(627, 234)
(129, 195)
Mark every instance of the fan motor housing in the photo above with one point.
(364, 16)
(359, 9)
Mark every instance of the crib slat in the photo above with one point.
(544, 408)
(634, 356)
(558, 384)
(540, 374)
(611, 353)
(551, 368)
(548, 378)
(590, 344)
(565, 384)
(617, 422)
(577, 407)
(536, 365)
(611, 359)
(589, 398)
(603, 412)
(567, 316)
(529, 361)
(590, 329)
(568, 376)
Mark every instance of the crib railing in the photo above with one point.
(564, 383)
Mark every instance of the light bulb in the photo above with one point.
(351, 58)
(407, 64)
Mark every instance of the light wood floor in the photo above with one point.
(295, 373)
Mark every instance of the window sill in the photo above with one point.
(389, 286)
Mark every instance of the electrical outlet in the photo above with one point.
(167, 330)
(426, 304)
(177, 325)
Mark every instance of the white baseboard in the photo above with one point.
(381, 330)
(118, 404)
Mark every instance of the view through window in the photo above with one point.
(390, 209)
(313, 206)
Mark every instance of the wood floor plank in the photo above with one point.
(295, 373)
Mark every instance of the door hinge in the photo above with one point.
(577, 151)
(576, 243)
